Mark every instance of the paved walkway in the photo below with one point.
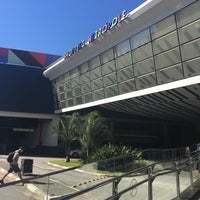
(40, 166)
(57, 184)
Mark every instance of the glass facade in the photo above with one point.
(164, 52)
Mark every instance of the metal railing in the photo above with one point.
(167, 177)
(168, 154)
(152, 173)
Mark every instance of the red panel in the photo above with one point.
(4, 51)
(40, 57)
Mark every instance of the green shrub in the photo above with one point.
(110, 151)
(114, 158)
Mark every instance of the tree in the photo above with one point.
(93, 132)
(67, 130)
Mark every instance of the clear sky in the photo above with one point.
(55, 26)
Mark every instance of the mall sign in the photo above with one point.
(107, 26)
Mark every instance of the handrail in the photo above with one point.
(177, 166)
(64, 170)
(184, 163)
(26, 180)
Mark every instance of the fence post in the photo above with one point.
(115, 187)
(150, 181)
(190, 168)
(47, 192)
(177, 180)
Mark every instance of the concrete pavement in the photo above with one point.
(66, 183)
(59, 184)
(40, 166)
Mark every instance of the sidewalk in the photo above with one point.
(64, 183)
(40, 166)
(55, 185)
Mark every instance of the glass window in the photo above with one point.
(75, 82)
(163, 27)
(144, 67)
(142, 53)
(167, 58)
(66, 77)
(69, 94)
(170, 74)
(110, 79)
(188, 14)
(74, 72)
(146, 81)
(76, 91)
(123, 61)
(125, 74)
(85, 88)
(191, 67)
(140, 39)
(166, 42)
(87, 98)
(62, 104)
(108, 68)
(70, 102)
(84, 68)
(107, 56)
(78, 100)
(95, 73)
(61, 88)
(111, 91)
(68, 85)
(98, 94)
(94, 62)
(84, 78)
(62, 96)
(122, 48)
(127, 86)
(97, 84)
(191, 50)
(189, 32)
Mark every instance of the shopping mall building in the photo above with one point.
(26, 103)
(140, 70)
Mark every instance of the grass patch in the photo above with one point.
(72, 163)
(87, 167)
(92, 169)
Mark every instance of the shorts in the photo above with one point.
(14, 168)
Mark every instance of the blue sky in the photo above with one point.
(55, 26)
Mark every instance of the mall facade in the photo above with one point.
(141, 71)
(26, 103)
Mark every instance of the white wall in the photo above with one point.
(48, 138)
(44, 130)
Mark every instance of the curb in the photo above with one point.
(89, 181)
(58, 166)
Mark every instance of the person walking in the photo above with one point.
(14, 165)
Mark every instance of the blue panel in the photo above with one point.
(3, 59)
(51, 58)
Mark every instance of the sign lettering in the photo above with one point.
(107, 26)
